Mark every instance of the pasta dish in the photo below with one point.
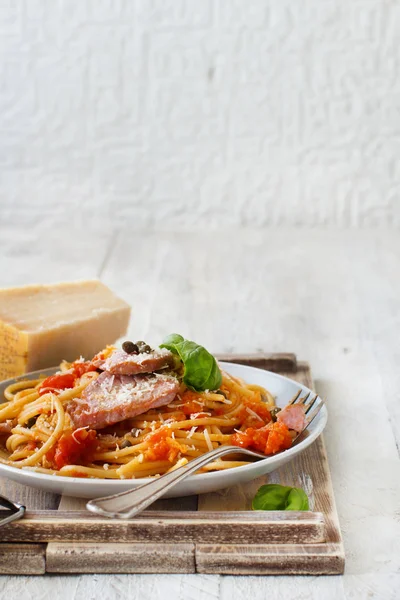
(138, 412)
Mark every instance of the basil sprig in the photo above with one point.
(201, 369)
(280, 497)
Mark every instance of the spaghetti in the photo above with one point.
(37, 432)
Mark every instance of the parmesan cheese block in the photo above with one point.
(42, 324)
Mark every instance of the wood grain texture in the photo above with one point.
(277, 362)
(172, 526)
(21, 559)
(120, 558)
(318, 559)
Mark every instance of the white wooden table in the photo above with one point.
(331, 297)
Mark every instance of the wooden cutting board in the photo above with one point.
(211, 533)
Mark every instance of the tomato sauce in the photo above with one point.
(163, 446)
(247, 418)
(279, 438)
(80, 368)
(56, 383)
(191, 404)
(74, 448)
(32, 445)
(269, 440)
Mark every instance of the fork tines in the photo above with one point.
(308, 404)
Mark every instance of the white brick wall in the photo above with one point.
(200, 112)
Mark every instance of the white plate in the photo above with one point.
(280, 387)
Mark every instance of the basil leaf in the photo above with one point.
(201, 369)
(271, 497)
(297, 500)
(280, 497)
(170, 341)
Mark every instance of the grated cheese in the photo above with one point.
(208, 440)
(195, 415)
(111, 383)
(253, 414)
(79, 429)
(191, 432)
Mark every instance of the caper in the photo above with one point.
(126, 444)
(145, 348)
(30, 422)
(274, 411)
(141, 343)
(130, 348)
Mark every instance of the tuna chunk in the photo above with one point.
(8, 425)
(122, 363)
(293, 417)
(112, 398)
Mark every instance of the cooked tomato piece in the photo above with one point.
(74, 448)
(260, 437)
(80, 368)
(252, 437)
(162, 446)
(261, 410)
(255, 414)
(99, 356)
(190, 408)
(269, 440)
(241, 439)
(191, 404)
(179, 416)
(32, 445)
(279, 438)
(55, 383)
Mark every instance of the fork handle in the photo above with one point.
(130, 503)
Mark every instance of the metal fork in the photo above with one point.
(10, 511)
(128, 504)
(308, 404)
